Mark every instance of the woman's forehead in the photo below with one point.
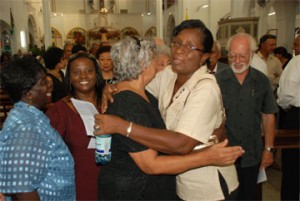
(194, 35)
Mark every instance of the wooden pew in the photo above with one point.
(287, 138)
(5, 106)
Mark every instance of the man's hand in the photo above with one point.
(107, 93)
(220, 155)
(266, 159)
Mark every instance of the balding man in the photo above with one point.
(214, 65)
(250, 107)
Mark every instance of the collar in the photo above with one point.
(199, 74)
(29, 108)
(228, 74)
(270, 56)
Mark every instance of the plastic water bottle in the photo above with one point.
(103, 149)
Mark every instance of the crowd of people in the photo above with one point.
(184, 125)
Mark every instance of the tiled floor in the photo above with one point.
(271, 188)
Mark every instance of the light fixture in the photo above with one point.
(202, 6)
(103, 10)
(272, 13)
(56, 14)
(145, 14)
(23, 39)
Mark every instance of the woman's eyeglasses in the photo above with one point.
(178, 44)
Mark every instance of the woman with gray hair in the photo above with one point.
(136, 172)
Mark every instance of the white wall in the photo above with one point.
(210, 15)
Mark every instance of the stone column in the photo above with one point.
(240, 8)
(285, 19)
(47, 25)
(159, 19)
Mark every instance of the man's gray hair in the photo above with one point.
(129, 56)
(163, 49)
(251, 40)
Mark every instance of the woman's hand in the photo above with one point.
(105, 123)
(107, 93)
(220, 132)
(221, 155)
(2, 197)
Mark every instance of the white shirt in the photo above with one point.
(196, 110)
(289, 85)
(274, 67)
(259, 64)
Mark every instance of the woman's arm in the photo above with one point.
(2, 197)
(162, 140)
(34, 196)
(152, 163)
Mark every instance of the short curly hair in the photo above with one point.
(20, 75)
(206, 36)
(52, 57)
(102, 49)
(127, 56)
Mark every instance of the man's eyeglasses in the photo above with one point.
(178, 44)
(233, 57)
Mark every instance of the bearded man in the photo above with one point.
(250, 106)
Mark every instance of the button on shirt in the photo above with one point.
(195, 111)
(244, 105)
(33, 156)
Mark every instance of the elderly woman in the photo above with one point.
(163, 57)
(191, 105)
(135, 171)
(35, 163)
(105, 63)
(83, 77)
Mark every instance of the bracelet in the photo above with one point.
(270, 149)
(128, 131)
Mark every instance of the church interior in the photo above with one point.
(27, 26)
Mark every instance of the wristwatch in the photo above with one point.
(272, 150)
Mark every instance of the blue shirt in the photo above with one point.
(33, 156)
(244, 104)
